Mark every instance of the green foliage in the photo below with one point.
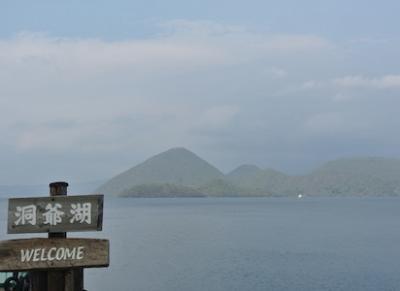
(344, 177)
(177, 166)
(178, 172)
(160, 190)
(224, 188)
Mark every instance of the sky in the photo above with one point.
(91, 88)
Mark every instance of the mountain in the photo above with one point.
(177, 166)
(355, 176)
(180, 173)
(244, 171)
(225, 188)
(161, 190)
(263, 182)
(343, 177)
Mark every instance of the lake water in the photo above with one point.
(247, 244)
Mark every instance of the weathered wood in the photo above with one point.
(78, 213)
(56, 279)
(52, 280)
(58, 189)
(55, 264)
(74, 279)
(38, 281)
(55, 253)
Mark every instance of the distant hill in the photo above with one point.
(355, 176)
(244, 171)
(343, 177)
(179, 172)
(225, 188)
(263, 182)
(177, 166)
(161, 190)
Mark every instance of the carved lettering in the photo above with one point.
(36, 255)
(49, 256)
(80, 253)
(59, 254)
(26, 255)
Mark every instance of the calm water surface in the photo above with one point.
(248, 244)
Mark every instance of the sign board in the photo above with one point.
(55, 214)
(43, 253)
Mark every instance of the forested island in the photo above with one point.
(180, 173)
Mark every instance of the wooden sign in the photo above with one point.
(43, 253)
(55, 214)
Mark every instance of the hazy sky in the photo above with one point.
(90, 88)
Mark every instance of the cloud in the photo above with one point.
(204, 85)
(276, 72)
(89, 78)
(354, 87)
(217, 117)
(205, 28)
(95, 57)
(384, 82)
(335, 123)
(356, 82)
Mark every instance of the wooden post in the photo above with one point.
(58, 189)
(65, 280)
(51, 280)
(38, 281)
(56, 263)
(58, 280)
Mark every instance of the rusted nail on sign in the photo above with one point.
(55, 214)
(43, 253)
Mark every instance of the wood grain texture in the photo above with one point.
(65, 225)
(46, 254)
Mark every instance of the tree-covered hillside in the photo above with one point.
(176, 166)
(179, 172)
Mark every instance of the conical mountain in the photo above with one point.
(177, 166)
(244, 171)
